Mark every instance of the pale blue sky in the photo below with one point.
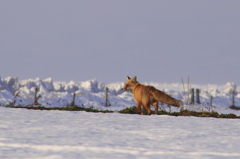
(156, 40)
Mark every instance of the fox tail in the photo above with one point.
(165, 98)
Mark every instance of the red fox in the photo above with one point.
(148, 95)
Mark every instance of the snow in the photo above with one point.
(63, 134)
(39, 134)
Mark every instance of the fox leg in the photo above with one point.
(147, 106)
(146, 103)
(155, 103)
(139, 104)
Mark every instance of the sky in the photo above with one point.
(156, 40)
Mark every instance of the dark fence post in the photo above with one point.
(233, 94)
(107, 100)
(211, 98)
(73, 99)
(192, 96)
(36, 97)
(197, 96)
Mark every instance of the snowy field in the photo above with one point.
(35, 134)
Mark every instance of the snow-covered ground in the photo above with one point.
(35, 134)
(91, 93)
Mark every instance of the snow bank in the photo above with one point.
(91, 93)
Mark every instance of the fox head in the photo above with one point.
(130, 83)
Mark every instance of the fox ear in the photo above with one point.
(128, 78)
(134, 78)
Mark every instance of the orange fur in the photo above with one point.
(148, 95)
